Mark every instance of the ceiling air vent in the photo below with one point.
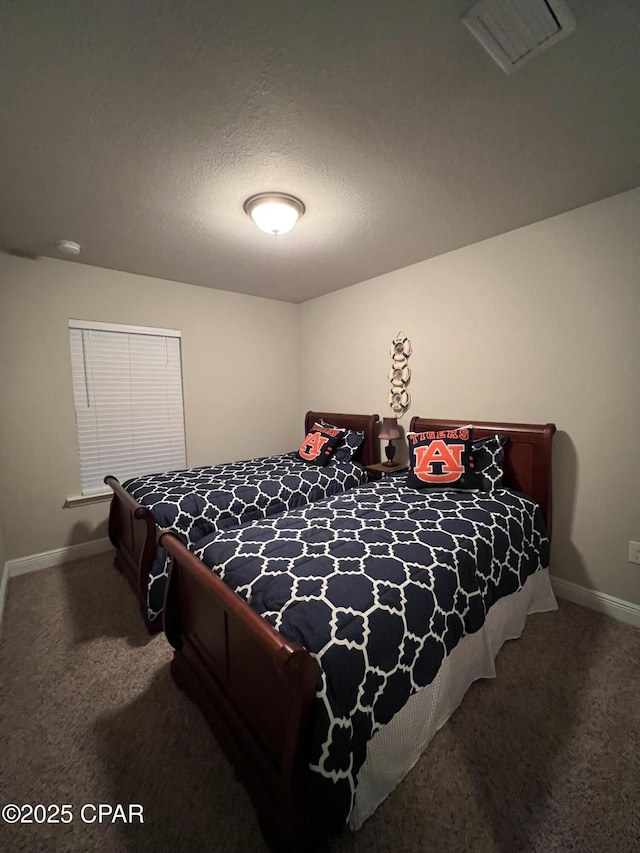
(514, 31)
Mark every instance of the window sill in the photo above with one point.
(81, 500)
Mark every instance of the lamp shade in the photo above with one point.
(390, 429)
(274, 213)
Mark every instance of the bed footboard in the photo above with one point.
(254, 688)
(133, 532)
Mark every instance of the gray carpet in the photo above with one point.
(544, 758)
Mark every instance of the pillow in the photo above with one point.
(348, 446)
(442, 459)
(488, 455)
(319, 444)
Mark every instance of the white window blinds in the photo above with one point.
(127, 388)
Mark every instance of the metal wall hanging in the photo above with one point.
(400, 374)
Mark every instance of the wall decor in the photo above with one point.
(400, 374)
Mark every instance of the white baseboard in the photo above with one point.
(623, 611)
(4, 580)
(48, 559)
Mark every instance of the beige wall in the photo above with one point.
(238, 355)
(541, 324)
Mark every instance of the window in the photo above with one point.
(127, 389)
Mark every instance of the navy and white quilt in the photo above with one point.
(200, 501)
(379, 584)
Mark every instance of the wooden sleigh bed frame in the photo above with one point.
(254, 687)
(132, 527)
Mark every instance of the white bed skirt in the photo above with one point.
(396, 747)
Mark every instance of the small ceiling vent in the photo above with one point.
(514, 31)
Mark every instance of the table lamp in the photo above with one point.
(389, 430)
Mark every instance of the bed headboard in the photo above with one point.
(527, 454)
(369, 452)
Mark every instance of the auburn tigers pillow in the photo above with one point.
(441, 459)
(319, 444)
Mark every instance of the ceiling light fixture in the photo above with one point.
(274, 213)
(69, 247)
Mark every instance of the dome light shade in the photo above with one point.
(69, 247)
(274, 213)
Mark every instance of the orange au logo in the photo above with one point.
(312, 445)
(439, 462)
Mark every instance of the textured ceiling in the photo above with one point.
(138, 129)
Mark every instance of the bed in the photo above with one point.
(316, 748)
(202, 500)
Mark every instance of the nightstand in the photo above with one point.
(379, 470)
